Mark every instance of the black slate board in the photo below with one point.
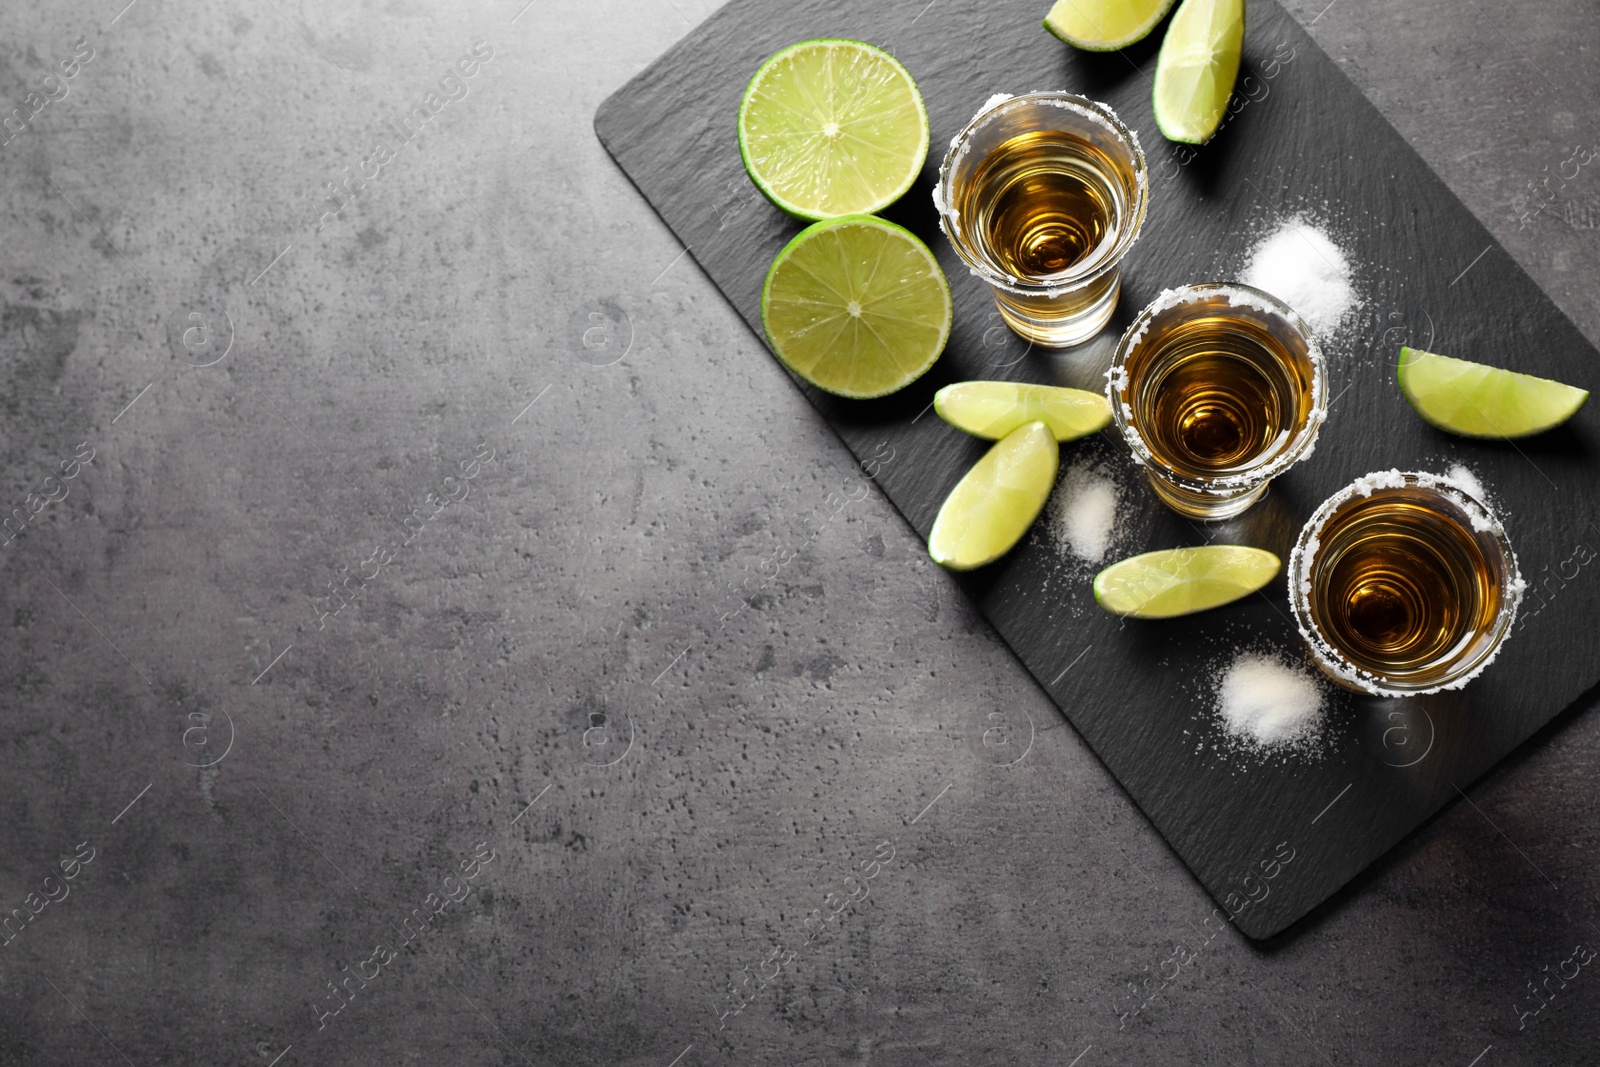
(1303, 139)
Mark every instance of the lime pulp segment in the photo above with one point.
(994, 504)
(1181, 581)
(832, 127)
(1196, 69)
(993, 409)
(1105, 25)
(1475, 400)
(856, 306)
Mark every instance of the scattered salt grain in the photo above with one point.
(1265, 703)
(1083, 513)
(1299, 264)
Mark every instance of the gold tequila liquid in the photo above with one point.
(1043, 202)
(1042, 195)
(1218, 393)
(1218, 389)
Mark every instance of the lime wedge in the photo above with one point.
(832, 127)
(1473, 400)
(992, 507)
(1105, 25)
(856, 306)
(993, 409)
(1180, 581)
(1195, 71)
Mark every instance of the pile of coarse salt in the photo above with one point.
(1267, 705)
(1083, 513)
(1299, 264)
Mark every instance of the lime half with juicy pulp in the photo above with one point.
(1196, 69)
(993, 409)
(1181, 581)
(1473, 400)
(992, 507)
(856, 306)
(1105, 25)
(832, 127)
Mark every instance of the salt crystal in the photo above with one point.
(1265, 703)
(1462, 475)
(1300, 265)
(1083, 513)
(1389, 479)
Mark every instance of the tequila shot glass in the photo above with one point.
(1217, 389)
(1042, 195)
(1403, 583)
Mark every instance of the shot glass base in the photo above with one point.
(1063, 321)
(1207, 507)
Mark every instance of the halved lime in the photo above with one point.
(832, 127)
(856, 306)
(1473, 400)
(992, 507)
(1105, 25)
(993, 409)
(1180, 581)
(1196, 69)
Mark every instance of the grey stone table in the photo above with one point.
(379, 474)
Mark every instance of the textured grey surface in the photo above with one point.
(584, 576)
